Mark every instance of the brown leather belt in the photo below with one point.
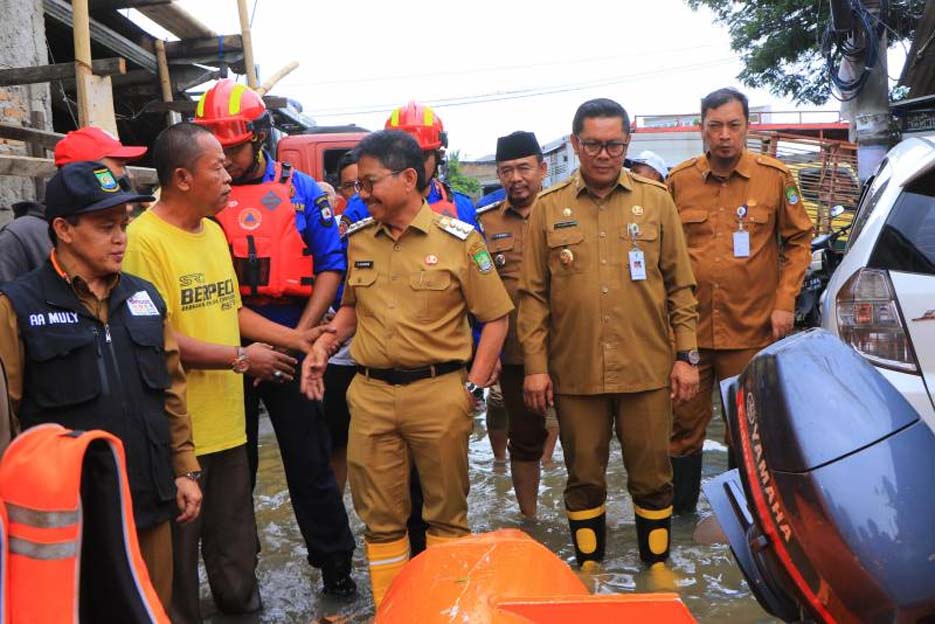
(403, 376)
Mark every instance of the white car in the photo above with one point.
(881, 298)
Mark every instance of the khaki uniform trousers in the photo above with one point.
(692, 418)
(643, 422)
(429, 421)
(156, 549)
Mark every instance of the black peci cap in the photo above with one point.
(519, 144)
(83, 187)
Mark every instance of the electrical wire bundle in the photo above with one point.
(860, 46)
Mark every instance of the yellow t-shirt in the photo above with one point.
(195, 276)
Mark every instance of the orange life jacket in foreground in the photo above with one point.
(446, 205)
(73, 552)
(269, 255)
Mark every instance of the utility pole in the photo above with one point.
(869, 110)
(247, 44)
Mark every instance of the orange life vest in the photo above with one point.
(446, 205)
(4, 559)
(73, 551)
(270, 257)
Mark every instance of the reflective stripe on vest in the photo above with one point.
(41, 488)
(269, 255)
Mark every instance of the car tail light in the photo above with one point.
(869, 320)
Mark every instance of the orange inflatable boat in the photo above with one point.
(506, 577)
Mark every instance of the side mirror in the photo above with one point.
(837, 211)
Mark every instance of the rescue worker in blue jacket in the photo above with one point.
(284, 238)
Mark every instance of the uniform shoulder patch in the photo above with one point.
(685, 164)
(769, 161)
(458, 229)
(557, 187)
(641, 180)
(489, 207)
(357, 226)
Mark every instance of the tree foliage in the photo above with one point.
(779, 41)
(457, 179)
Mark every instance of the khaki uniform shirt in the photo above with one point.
(412, 295)
(582, 318)
(180, 425)
(506, 230)
(736, 296)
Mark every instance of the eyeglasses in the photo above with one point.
(368, 184)
(594, 148)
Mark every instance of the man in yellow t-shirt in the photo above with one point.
(177, 247)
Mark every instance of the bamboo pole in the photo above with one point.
(270, 82)
(81, 25)
(165, 83)
(247, 44)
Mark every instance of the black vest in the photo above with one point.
(84, 374)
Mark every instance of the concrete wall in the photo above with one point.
(22, 43)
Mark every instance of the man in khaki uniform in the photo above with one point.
(521, 168)
(605, 276)
(413, 277)
(735, 207)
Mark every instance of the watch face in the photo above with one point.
(693, 358)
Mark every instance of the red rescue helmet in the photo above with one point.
(232, 112)
(421, 123)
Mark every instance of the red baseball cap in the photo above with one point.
(91, 143)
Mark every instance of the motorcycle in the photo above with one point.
(826, 256)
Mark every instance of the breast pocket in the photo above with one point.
(361, 282)
(58, 356)
(697, 226)
(505, 253)
(647, 240)
(148, 339)
(430, 294)
(566, 251)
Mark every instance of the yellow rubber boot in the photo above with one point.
(653, 529)
(435, 540)
(588, 534)
(386, 560)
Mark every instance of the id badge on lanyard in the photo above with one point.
(741, 236)
(636, 257)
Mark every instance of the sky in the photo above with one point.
(488, 67)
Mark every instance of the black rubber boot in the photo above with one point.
(686, 481)
(653, 528)
(588, 534)
(336, 576)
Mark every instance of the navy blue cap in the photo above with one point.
(88, 186)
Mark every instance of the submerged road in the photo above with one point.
(710, 582)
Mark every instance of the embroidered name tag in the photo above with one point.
(501, 235)
(141, 305)
(53, 318)
(363, 264)
(565, 224)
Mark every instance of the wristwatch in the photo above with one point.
(691, 357)
(241, 363)
(194, 475)
(476, 392)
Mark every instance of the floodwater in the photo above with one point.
(710, 583)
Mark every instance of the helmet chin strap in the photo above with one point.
(259, 164)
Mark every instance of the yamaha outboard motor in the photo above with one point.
(831, 512)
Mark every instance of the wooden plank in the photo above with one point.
(203, 47)
(59, 71)
(31, 167)
(247, 44)
(115, 5)
(62, 12)
(81, 27)
(101, 104)
(177, 20)
(33, 136)
(172, 117)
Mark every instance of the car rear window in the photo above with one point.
(907, 241)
